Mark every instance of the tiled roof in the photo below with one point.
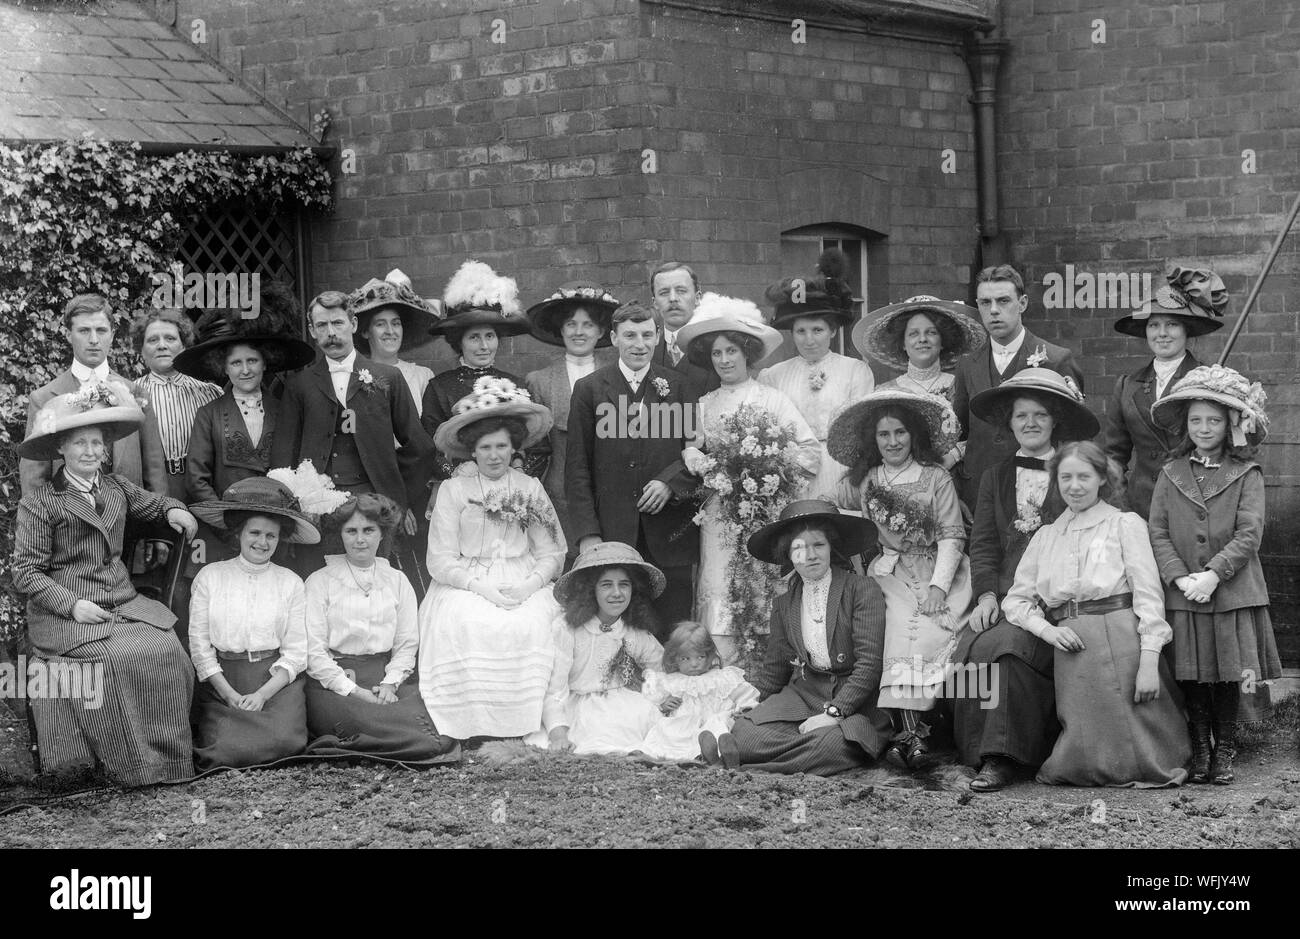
(113, 70)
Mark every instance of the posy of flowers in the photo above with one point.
(750, 474)
(892, 509)
(512, 507)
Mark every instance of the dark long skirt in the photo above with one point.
(228, 736)
(769, 740)
(1106, 739)
(123, 704)
(1235, 645)
(341, 725)
(1018, 718)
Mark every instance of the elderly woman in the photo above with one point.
(83, 613)
(160, 336)
(1013, 732)
(578, 317)
(1191, 304)
(494, 548)
(730, 336)
(1088, 585)
(819, 382)
(921, 337)
(248, 636)
(362, 639)
(481, 308)
(821, 675)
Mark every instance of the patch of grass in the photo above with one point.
(1281, 726)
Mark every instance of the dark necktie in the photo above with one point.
(1029, 462)
(97, 493)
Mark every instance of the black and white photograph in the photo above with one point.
(695, 424)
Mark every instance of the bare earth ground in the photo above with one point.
(502, 797)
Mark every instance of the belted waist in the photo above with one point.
(246, 656)
(364, 656)
(1073, 608)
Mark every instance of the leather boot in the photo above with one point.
(1197, 696)
(1226, 698)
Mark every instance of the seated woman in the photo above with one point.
(362, 637)
(494, 546)
(603, 639)
(82, 611)
(1016, 728)
(821, 676)
(1093, 572)
(247, 633)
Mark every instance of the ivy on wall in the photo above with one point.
(91, 216)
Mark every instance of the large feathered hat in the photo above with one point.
(477, 296)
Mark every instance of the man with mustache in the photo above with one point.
(674, 291)
(343, 412)
(1000, 296)
(88, 323)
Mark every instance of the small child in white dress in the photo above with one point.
(696, 694)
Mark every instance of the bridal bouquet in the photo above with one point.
(751, 472)
(517, 508)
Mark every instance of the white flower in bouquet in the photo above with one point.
(770, 483)
(750, 484)
(749, 445)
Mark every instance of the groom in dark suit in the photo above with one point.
(674, 291)
(625, 480)
(343, 411)
(1000, 296)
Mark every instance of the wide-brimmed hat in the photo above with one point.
(548, 316)
(844, 440)
(492, 397)
(871, 334)
(1195, 296)
(827, 295)
(609, 554)
(1243, 398)
(393, 292)
(477, 296)
(854, 532)
(1079, 423)
(109, 406)
(221, 329)
(716, 313)
(262, 496)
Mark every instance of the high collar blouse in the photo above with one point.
(342, 618)
(236, 606)
(1090, 555)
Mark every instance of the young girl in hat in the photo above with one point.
(1207, 521)
(697, 695)
(820, 679)
(83, 612)
(248, 636)
(494, 548)
(891, 439)
(603, 638)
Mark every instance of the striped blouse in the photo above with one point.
(176, 399)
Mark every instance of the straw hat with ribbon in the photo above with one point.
(871, 336)
(221, 329)
(1194, 296)
(715, 314)
(609, 554)
(1244, 400)
(477, 296)
(492, 397)
(854, 532)
(260, 495)
(394, 292)
(1078, 423)
(548, 316)
(109, 406)
(844, 440)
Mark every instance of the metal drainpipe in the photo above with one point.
(983, 58)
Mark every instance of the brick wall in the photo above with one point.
(1127, 156)
(528, 154)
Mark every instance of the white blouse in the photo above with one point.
(417, 379)
(237, 606)
(1090, 555)
(582, 662)
(340, 617)
(812, 620)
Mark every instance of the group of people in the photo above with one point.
(384, 562)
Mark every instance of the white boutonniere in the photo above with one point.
(367, 380)
(1038, 358)
(661, 386)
